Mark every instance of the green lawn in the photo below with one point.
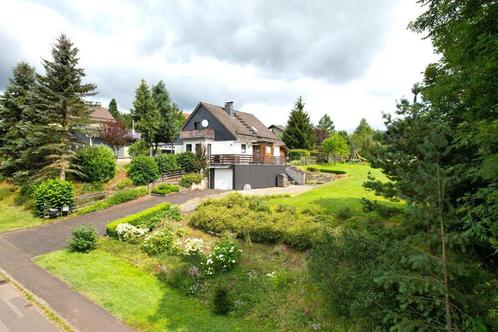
(134, 296)
(339, 194)
(12, 215)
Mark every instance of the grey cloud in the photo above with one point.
(334, 40)
(10, 54)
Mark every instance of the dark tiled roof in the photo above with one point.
(100, 114)
(279, 127)
(242, 125)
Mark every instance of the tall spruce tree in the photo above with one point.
(16, 109)
(326, 124)
(168, 122)
(145, 114)
(299, 133)
(113, 109)
(60, 104)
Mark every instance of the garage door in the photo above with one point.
(223, 178)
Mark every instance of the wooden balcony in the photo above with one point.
(201, 133)
(244, 159)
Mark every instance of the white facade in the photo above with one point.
(217, 147)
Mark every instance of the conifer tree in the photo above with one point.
(299, 133)
(145, 114)
(16, 108)
(113, 109)
(60, 104)
(168, 122)
(326, 124)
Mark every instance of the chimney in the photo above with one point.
(229, 108)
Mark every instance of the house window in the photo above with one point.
(188, 147)
(198, 149)
(197, 125)
(243, 148)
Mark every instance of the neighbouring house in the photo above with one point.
(241, 149)
(99, 116)
(278, 130)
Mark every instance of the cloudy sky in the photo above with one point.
(350, 59)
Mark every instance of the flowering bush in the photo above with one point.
(224, 257)
(130, 233)
(159, 242)
(194, 246)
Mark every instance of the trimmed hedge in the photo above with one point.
(52, 193)
(324, 170)
(188, 162)
(143, 170)
(119, 197)
(189, 179)
(297, 154)
(165, 188)
(148, 218)
(96, 163)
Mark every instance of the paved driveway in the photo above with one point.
(18, 247)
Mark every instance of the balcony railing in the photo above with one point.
(244, 159)
(200, 133)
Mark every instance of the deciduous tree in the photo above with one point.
(115, 134)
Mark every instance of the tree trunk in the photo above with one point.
(62, 174)
(442, 232)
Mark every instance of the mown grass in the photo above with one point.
(135, 296)
(14, 215)
(338, 195)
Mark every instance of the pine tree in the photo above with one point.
(113, 109)
(362, 140)
(326, 124)
(299, 133)
(16, 106)
(168, 127)
(60, 104)
(144, 113)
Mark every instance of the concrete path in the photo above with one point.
(19, 315)
(18, 247)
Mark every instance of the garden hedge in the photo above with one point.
(143, 170)
(165, 188)
(96, 163)
(146, 218)
(324, 170)
(167, 163)
(52, 193)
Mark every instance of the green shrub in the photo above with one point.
(167, 163)
(53, 193)
(257, 203)
(148, 218)
(324, 170)
(143, 170)
(188, 162)
(221, 301)
(159, 242)
(125, 183)
(139, 148)
(189, 179)
(165, 188)
(224, 257)
(345, 213)
(84, 239)
(126, 195)
(297, 154)
(96, 163)
(233, 213)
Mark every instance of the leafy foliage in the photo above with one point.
(159, 242)
(165, 188)
(188, 180)
(335, 146)
(96, 163)
(84, 239)
(52, 193)
(115, 134)
(299, 133)
(167, 163)
(143, 170)
(188, 162)
(139, 148)
(297, 154)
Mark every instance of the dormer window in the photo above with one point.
(254, 129)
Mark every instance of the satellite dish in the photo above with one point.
(204, 123)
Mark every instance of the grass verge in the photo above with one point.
(134, 296)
